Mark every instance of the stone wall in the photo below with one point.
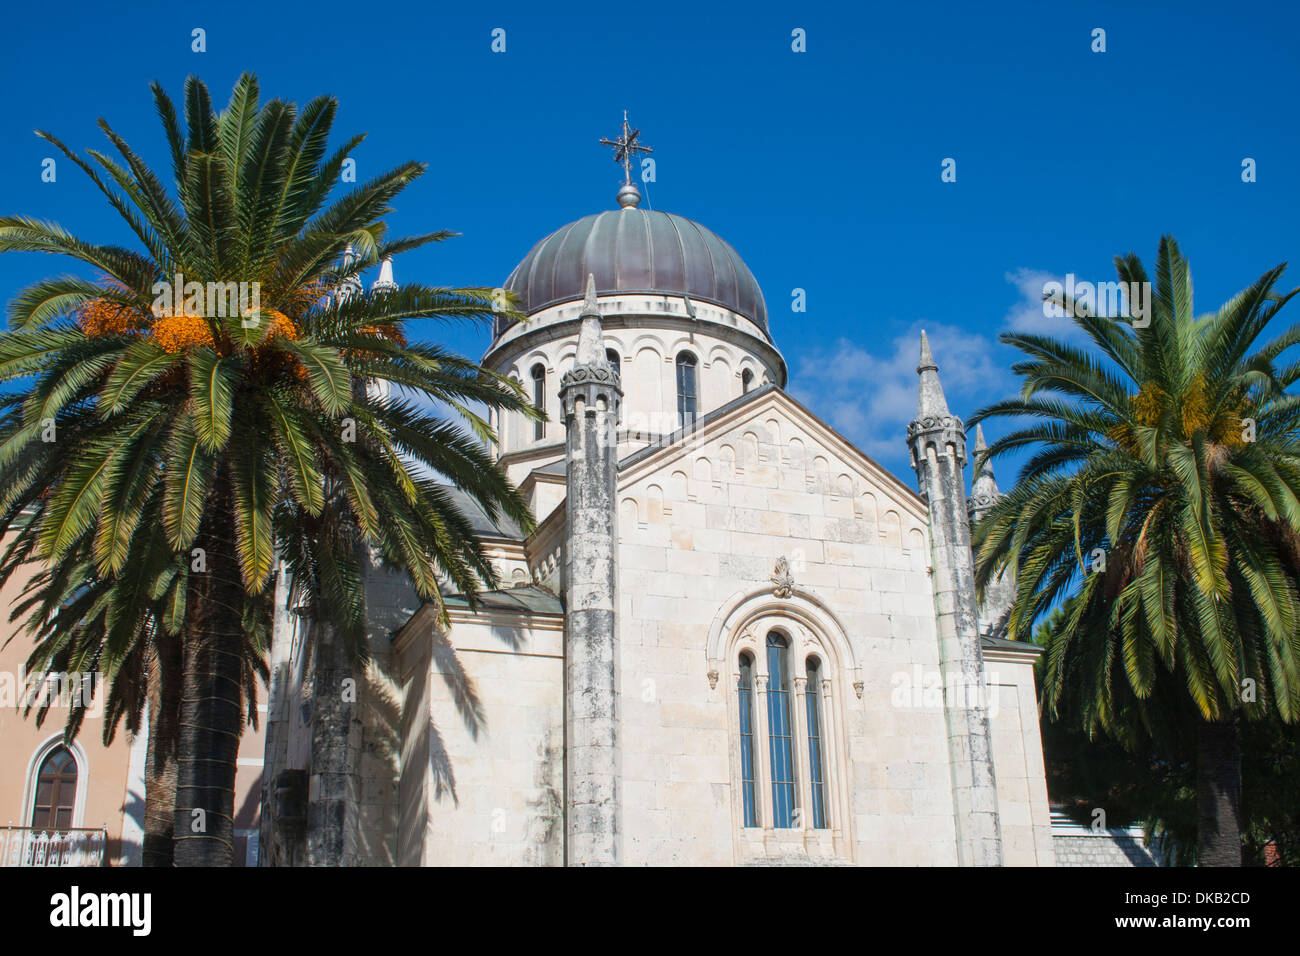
(702, 526)
(482, 770)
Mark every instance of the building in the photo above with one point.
(732, 638)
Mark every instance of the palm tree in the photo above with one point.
(147, 405)
(123, 627)
(1162, 494)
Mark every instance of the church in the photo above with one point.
(732, 638)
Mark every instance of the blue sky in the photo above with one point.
(822, 168)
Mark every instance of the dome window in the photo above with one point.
(746, 381)
(539, 399)
(687, 390)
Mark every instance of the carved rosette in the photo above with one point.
(593, 385)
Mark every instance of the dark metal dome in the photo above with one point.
(636, 251)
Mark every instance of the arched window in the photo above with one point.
(686, 389)
(790, 768)
(56, 791)
(746, 381)
(745, 692)
(611, 356)
(816, 774)
(778, 730)
(539, 399)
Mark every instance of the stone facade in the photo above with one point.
(732, 639)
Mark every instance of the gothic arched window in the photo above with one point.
(816, 773)
(746, 381)
(686, 389)
(745, 692)
(56, 791)
(779, 730)
(539, 399)
(789, 763)
(611, 356)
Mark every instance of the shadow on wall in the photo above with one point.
(468, 704)
(381, 720)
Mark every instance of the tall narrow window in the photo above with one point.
(686, 391)
(746, 695)
(746, 381)
(56, 791)
(611, 356)
(539, 399)
(778, 730)
(813, 696)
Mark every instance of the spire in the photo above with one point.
(385, 281)
(931, 403)
(350, 284)
(591, 344)
(984, 483)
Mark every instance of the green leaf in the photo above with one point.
(212, 382)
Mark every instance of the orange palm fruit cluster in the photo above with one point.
(101, 317)
(175, 332)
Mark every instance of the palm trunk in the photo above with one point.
(331, 816)
(1218, 793)
(211, 716)
(160, 763)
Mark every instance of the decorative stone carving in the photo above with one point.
(713, 680)
(580, 374)
(932, 422)
(782, 579)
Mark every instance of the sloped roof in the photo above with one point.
(525, 599)
(500, 527)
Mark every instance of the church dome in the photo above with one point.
(636, 250)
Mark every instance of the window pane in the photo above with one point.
(56, 790)
(815, 745)
(539, 400)
(746, 695)
(778, 729)
(686, 403)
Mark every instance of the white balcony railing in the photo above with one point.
(29, 846)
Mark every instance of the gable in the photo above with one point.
(766, 444)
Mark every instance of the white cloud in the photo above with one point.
(868, 391)
(870, 394)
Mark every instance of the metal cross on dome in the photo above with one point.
(625, 147)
